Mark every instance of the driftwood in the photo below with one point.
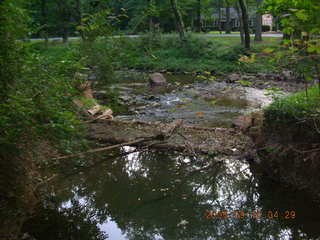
(103, 149)
(174, 136)
(96, 111)
(160, 136)
(171, 136)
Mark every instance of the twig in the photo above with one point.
(105, 148)
(315, 124)
(304, 151)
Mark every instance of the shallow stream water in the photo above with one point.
(196, 101)
(139, 194)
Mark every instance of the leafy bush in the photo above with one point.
(40, 104)
(99, 56)
(295, 108)
(232, 54)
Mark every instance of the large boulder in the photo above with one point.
(157, 79)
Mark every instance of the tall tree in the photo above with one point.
(78, 14)
(241, 23)
(219, 15)
(178, 20)
(245, 20)
(258, 23)
(44, 21)
(198, 17)
(64, 14)
(151, 10)
(228, 18)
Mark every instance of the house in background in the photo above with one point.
(267, 19)
(218, 20)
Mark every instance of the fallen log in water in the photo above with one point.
(171, 136)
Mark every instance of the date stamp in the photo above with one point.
(253, 214)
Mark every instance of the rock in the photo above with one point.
(262, 75)
(157, 79)
(287, 74)
(207, 97)
(92, 77)
(155, 105)
(100, 94)
(81, 76)
(231, 78)
(193, 92)
(125, 98)
(245, 122)
(152, 98)
(248, 77)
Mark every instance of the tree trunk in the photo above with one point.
(65, 34)
(151, 18)
(276, 24)
(258, 23)
(245, 20)
(79, 16)
(65, 15)
(228, 22)
(44, 22)
(219, 16)
(179, 20)
(241, 24)
(198, 18)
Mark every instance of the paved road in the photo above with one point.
(275, 35)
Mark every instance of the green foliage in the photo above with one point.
(294, 108)
(100, 57)
(96, 25)
(217, 55)
(41, 105)
(245, 83)
(295, 117)
(296, 15)
(301, 22)
(13, 25)
(36, 91)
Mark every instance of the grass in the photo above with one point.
(214, 54)
(295, 108)
(164, 53)
(223, 32)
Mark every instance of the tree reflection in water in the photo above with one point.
(162, 195)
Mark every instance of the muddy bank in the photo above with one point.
(17, 199)
(20, 182)
(289, 154)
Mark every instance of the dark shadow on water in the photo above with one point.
(161, 195)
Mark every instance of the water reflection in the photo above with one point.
(160, 195)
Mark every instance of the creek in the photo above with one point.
(145, 194)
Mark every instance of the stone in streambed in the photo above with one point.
(231, 78)
(157, 79)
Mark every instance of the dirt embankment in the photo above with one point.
(19, 182)
(288, 154)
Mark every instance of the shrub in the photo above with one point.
(40, 105)
(294, 108)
